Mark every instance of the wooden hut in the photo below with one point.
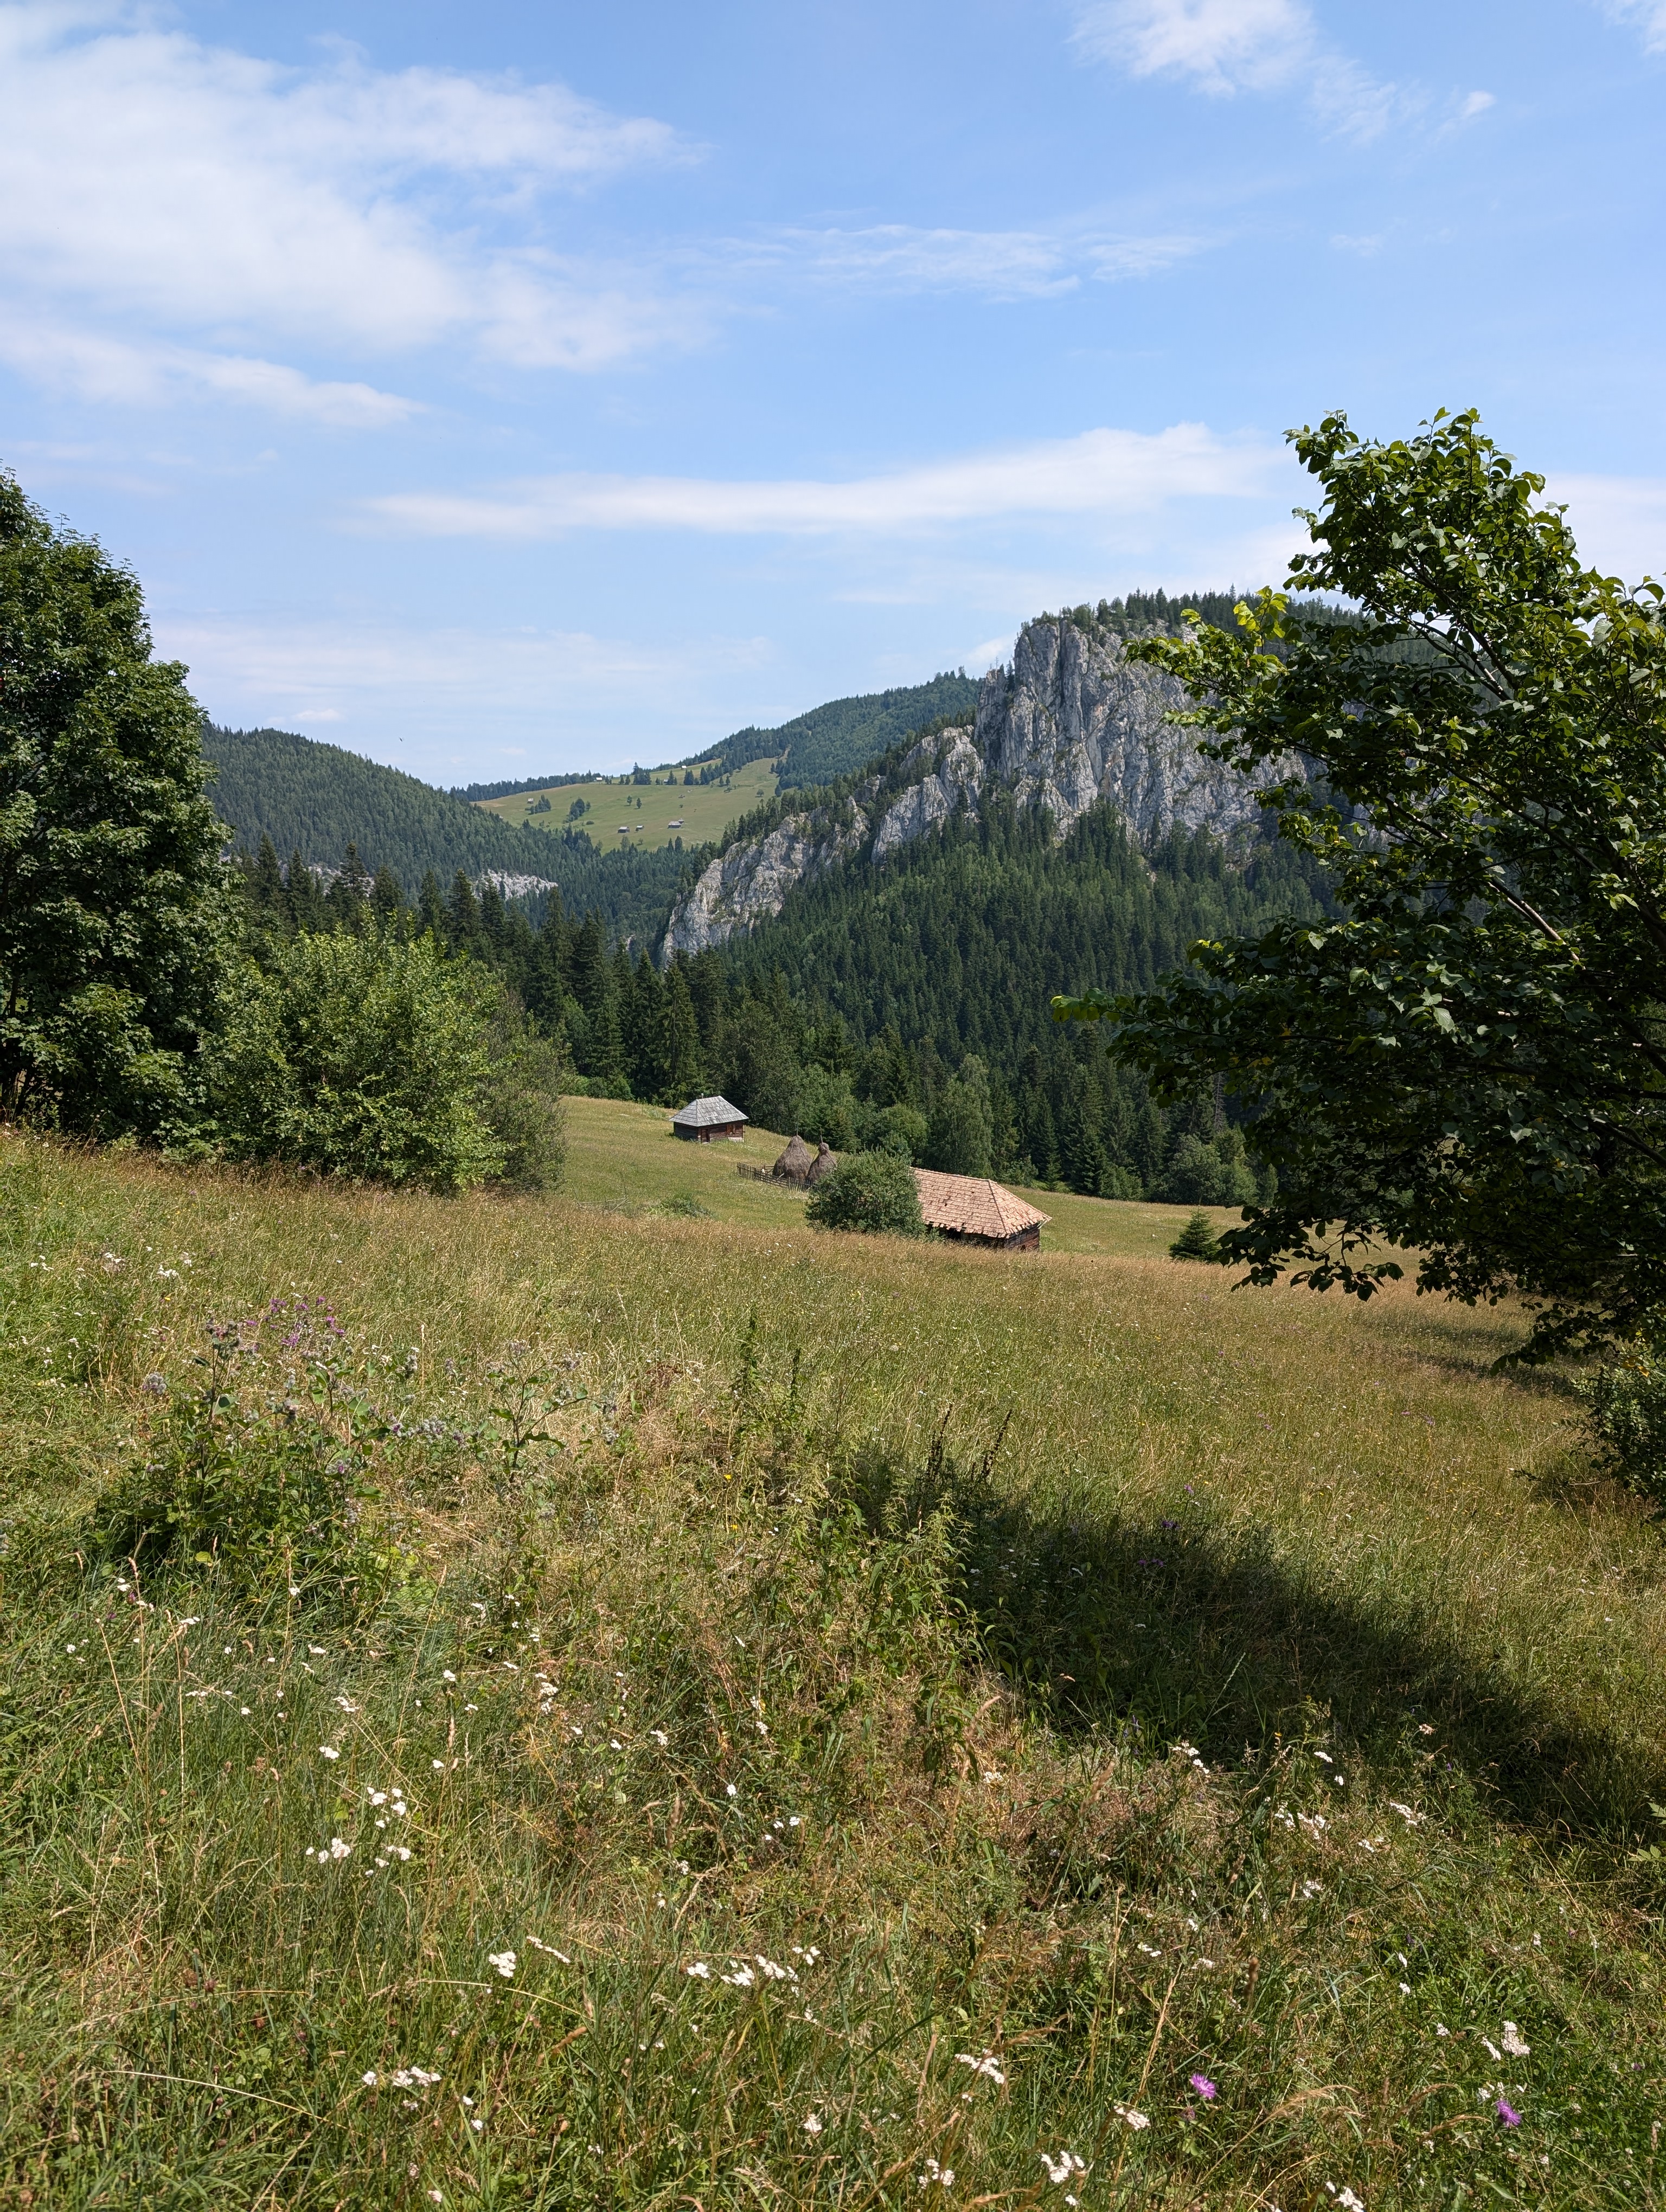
(705, 1119)
(978, 1211)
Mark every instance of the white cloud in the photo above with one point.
(109, 370)
(1101, 472)
(1000, 263)
(1620, 522)
(1476, 104)
(1228, 46)
(212, 198)
(1648, 15)
(377, 674)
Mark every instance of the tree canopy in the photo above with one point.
(1468, 1061)
(113, 911)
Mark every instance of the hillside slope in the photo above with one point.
(1073, 723)
(315, 799)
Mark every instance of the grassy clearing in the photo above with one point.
(624, 1157)
(697, 813)
(1021, 1687)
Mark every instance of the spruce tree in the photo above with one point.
(1197, 1241)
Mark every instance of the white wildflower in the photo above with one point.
(812, 2124)
(772, 1972)
(369, 2079)
(742, 1979)
(1511, 2040)
(1491, 2050)
(700, 1970)
(1059, 2169)
(1135, 2120)
(986, 2065)
(329, 1751)
(377, 1796)
(338, 1850)
(504, 1961)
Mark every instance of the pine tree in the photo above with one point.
(1197, 1241)
(679, 1055)
(462, 916)
(302, 897)
(385, 896)
(431, 908)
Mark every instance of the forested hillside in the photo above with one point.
(316, 799)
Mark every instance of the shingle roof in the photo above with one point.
(706, 1113)
(973, 1206)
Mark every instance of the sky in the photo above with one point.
(512, 387)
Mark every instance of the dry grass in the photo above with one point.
(1081, 1621)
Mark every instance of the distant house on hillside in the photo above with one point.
(978, 1211)
(704, 1119)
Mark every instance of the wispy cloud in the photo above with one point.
(111, 371)
(1101, 471)
(1228, 46)
(1000, 265)
(1649, 16)
(148, 179)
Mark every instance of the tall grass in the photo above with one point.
(862, 1713)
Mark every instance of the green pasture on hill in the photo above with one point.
(646, 814)
(626, 1157)
(646, 1709)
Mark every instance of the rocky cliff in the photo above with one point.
(1072, 722)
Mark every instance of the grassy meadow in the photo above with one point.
(648, 812)
(767, 1719)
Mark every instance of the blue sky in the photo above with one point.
(511, 387)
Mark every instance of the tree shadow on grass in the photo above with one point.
(1185, 1629)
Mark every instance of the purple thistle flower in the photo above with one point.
(1205, 2087)
(1510, 2118)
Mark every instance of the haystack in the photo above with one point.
(794, 1163)
(822, 1165)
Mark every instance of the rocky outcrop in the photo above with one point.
(749, 882)
(1072, 722)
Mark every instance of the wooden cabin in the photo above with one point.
(978, 1211)
(702, 1121)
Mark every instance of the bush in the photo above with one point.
(873, 1192)
(1625, 1405)
(522, 1102)
(364, 1057)
(1203, 1174)
(1197, 1241)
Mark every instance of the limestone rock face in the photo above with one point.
(1072, 722)
(1076, 722)
(956, 779)
(749, 882)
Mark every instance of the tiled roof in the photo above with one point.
(706, 1113)
(973, 1206)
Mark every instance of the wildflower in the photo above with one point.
(448, 1676)
(369, 2079)
(504, 1961)
(1148, 1951)
(742, 1979)
(812, 2124)
(700, 1970)
(986, 2065)
(318, 1652)
(339, 1850)
(729, 1790)
(551, 1949)
(1511, 2040)
(1349, 2201)
(659, 1735)
(942, 2175)
(377, 1796)
(1440, 2030)
(1205, 2087)
(1508, 2114)
(1135, 2120)
(1326, 1756)
(329, 1751)
(1059, 2169)
(1490, 2048)
(1410, 1818)
(437, 1765)
(436, 2198)
(1404, 1989)
(772, 1972)
(347, 1704)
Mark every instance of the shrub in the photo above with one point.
(364, 1057)
(1625, 1407)
(522, 1102)
(1203, 1174)
(873, 1192)
(1197, 1241)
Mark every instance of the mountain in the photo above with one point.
(1072, 724)
(316, 799)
